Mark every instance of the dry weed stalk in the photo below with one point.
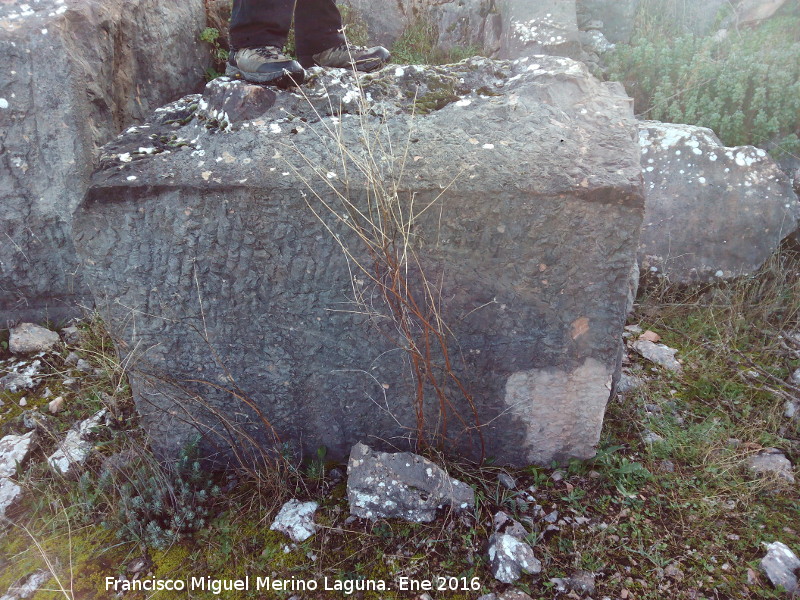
(382, 229)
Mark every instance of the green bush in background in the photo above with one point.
(746, 87)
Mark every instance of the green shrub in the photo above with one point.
(156, 506)
(219, 55)
(417, 45)
(745, 87)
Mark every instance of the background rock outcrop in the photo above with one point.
(710, 211)
(201, 244)
(74, 75)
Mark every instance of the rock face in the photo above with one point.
(533, 28)
(207, 228)
(455, 22)
(401, 486)
(617, 17)
(75, 74)
(711, 211)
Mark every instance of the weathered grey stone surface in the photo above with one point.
(658, 353)
(782, 566)
(201, 245)
(476, 23)
(510, 557)
(503, 523)
(617, 17)
(533, 28)
(14, 450)
(711, 211)
(19, 375)
(401, 485)
(27, 338)
(76, 446)
(772, 462)
(753, 11)
(296, 519)
(454, 22)
(73, 75)
(9, 492)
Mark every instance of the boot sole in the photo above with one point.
(282, 79)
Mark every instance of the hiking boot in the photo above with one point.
(266, 64)
(347, 56)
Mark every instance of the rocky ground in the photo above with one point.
(693, 492)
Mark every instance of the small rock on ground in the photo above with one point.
(658, 353)
(28, 338)
(14, 449)
(9, 492)
(21, 377)
(75, 448)
(503, 523)
(401, 485)
(781, 566)
(628, 383)
(771, 461)
(507, 481)
(296, 519)
(509, 557)
(28, 588)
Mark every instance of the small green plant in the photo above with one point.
(158, 506)
(418, 45)
(315, 469)
(219, 54)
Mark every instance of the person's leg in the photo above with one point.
(317, 27)
(256, 23)
(258, 33)
(319, 39)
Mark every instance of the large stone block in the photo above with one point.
(711, 211)
(208, 242)
(75, 74)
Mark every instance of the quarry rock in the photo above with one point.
(296, 519)
(533, 28)
(74, 74)
(227, 236)
(711, 212)
(27, 338)
(617, 17)
(475, 23)
(782, 567)
(401, 485)
(753, 11)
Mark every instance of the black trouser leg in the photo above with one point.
(266, 23)
(317, 27)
